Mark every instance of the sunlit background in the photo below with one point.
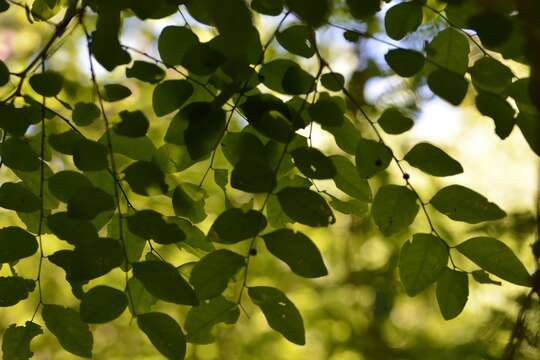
(359, 311)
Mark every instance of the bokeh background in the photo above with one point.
(359, 311)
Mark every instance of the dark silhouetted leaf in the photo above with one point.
(16, 244)
(449, 50)
(149, 224)
(15, 196)
(188, 201)
(402, 19)
(85, 113)
(234, 225)
(305, 206)
(145, 71)
(313, 163)
(448, 85)
(499, 110)
(18, 154)
(432, 160)
(16, 341)
(371, 157)
(71, 230)
(297, 40)
(363, 8)
(164, 333)
(133, 124)
(210, 275)
(490, 75)
(89, 202)
(333, 81)
(48, 83)
(102, 304)
(14, 289)
(173, 43)
(64, 184)
(115, 92)
(393, 121)
(201, 319)
(394, 208)
(90, 155)
(452, 292)
(170, 95)
(145, 178)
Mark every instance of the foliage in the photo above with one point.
(236, 108)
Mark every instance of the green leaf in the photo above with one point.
(201, 319)
(449, 50)
(349, 180)
(16, 341)
(170, 95)
(71, 230)
(452, 292)
(145, 71)
(115, 92)
(326, 112)
(133, 244)
(362, 9)
(234, 225)
(90, 155)
(71, 332)
(65, 184)
(16, 244)
(490, 75)
(64, 142)
(394, 208)
(482, 277)
(313, 163)
(203, 59)
(163, 281)
(313, 12)
(149, 224)
(47, 84)
(305, 206)
(139, 148)
(164, 333)
(421, 262)
(140, 301)
(394, 122)
(134, 124)
(297, 40)
(371, 157)
(448, 85)
(297, 251)
(270, 116)
(497, 258)
(405, 62)
(402, 19)
(432, 160)
(346, 135)
(4, 71)
(333, 81)
(268, 7)
(102, 304)
(530, 128)
(497, 108)
(89, 202)
(492, 27)
(145, 178)
(350, 207)
(14, 289)
(206, 124)
(188, 201)
(174, 42)
(280, 313)
(463, 204)
(253, 174)
(15, 196)
(286, 77)
(17, 154)
(211, 275)
(84, 114)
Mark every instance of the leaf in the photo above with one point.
(89, 202)
(253, 174)
(313, 12)
(499, 110)
(84, 114)
(490, 75)
(492, 27)
(47, 83)
(102, 304)
(452, 293)
(313, 163)
(286, 77)
(15, 196)
(371, 157)
(333, 81)
(270, 116)
(394, 122)
(394, 208)
(139, 148)
(174, 42)
(346, 135)
(145, 178)
(530, 128)
(164, 333)
(133, 244)
(234, 225)
(297, 40)
(463, 204)
(163, 281)
(432, 160)
(16, 341)
(421, 262)
(361, 9)
(305, 206)
(65, 184)
(326, 112)
(71, 230)
(448, 85)
(482, 277)
(350, 207)
(170, 95)
(16, 244)
(280, 313)
(201, 319)
(206, 124)
(211, 275)
(449, 50)
(71, 332)
(115, 92)
(149, 224)
(64, 142)
(268, 7)
(14, 289)
(18, 155)
(402, 19)
(188, 201)
(349, 180)
(4, 71)
(497, 258)
(90, 155)
(145, 71)
(140, 301)
(134, 124)
(297, 251)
